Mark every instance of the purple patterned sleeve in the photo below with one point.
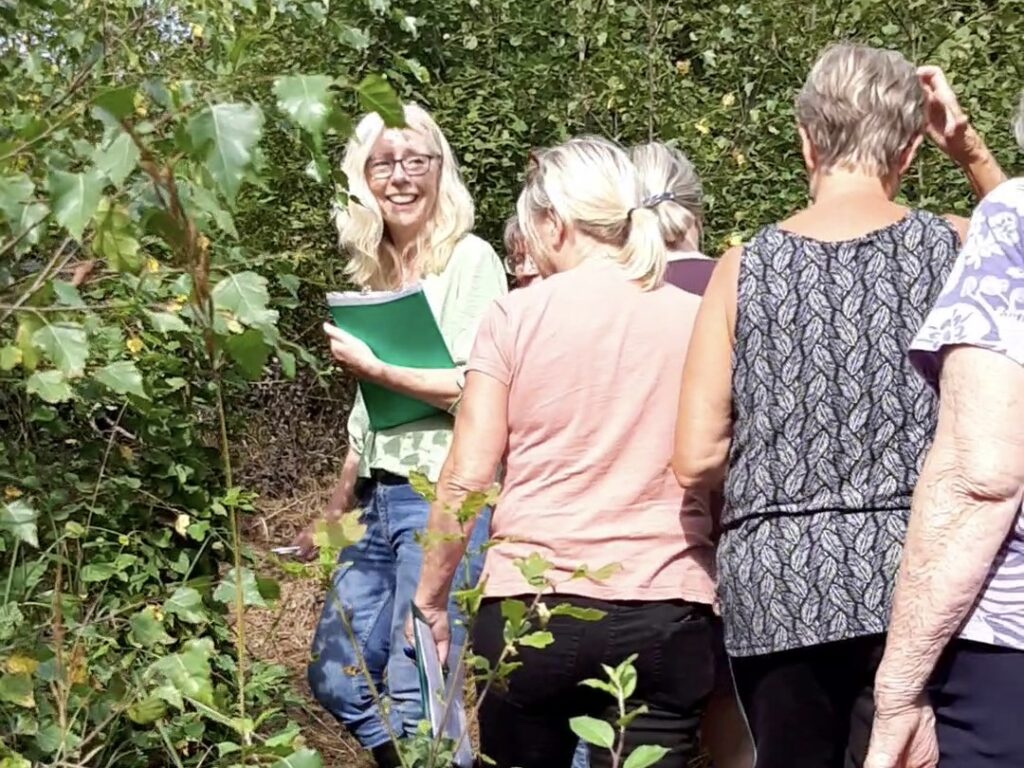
(982, 303)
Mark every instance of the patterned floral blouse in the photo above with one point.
(982, 306)
(830, 427)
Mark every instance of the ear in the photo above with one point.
(909, 153)
(555, 230)
(807, 150)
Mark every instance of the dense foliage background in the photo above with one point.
(165, 180)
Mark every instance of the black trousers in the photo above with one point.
(811, 707)
(526, 723)
(976, 694)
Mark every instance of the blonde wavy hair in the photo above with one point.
(591, 183)
(373, 261)
(861, 107)
(664, 169)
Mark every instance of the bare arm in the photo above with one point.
(950, 130)
(481, 433)
(440, 387)
(965, 503)
(704, 422)
(343, 496)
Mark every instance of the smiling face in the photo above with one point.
(403, 173)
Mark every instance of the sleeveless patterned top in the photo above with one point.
(830, 427)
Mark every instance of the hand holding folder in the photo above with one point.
(442, 700)
(400, 328)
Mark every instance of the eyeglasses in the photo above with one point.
(413, 165)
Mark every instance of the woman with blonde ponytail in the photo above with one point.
(667, 172)
(569, 382)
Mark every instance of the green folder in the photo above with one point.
(400, 328)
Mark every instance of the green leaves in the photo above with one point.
(245, 296)
(306, 100)
(187, 604)
(50, 386)
(148, 629)
(166, 322)
(75, 197)
(15, 193)
(188, 672)
(19, 520)
(122, 377)
(227, 590)
(593, 731)
(117, 159)
(645, 756)
(377, 95)
(304, 758)
(537, 639)
(250, 351)
(114, 239)
(534, 569)
(422, 485)
(224, 136)
(577, 612)
(65, 345)
(17, 690)
(118, 103)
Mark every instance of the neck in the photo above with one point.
(579, 250)
(403, 240)
(840, 184)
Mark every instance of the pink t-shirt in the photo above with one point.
(593, 366)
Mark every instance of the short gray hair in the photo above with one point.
(666, 169)
(1018, 123)
(861, 107)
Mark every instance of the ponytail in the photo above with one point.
(643, 257)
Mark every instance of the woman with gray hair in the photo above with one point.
(958, 611)
(796, 390)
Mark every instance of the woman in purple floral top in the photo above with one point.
(958, 611)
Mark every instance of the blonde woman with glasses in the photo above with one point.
(570, 382)
(798, 392)
(409, 220)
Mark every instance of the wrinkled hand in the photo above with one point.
(352, 352)
(945, 122)
(304, 541)
(903, 737)
(437, 618)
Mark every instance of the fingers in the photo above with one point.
(410, 637)
(335, 333)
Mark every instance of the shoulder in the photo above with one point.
(1007, 196)
(473, 250)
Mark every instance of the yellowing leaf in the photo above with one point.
(19, 664)
(152, 265)
(134, 345)
(10, 492)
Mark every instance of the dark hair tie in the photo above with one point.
(652, 202)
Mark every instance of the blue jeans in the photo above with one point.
(376, 588)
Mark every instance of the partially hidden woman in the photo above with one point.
(797, 390)
(570, 381)
(667, 173)
(409, 221)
